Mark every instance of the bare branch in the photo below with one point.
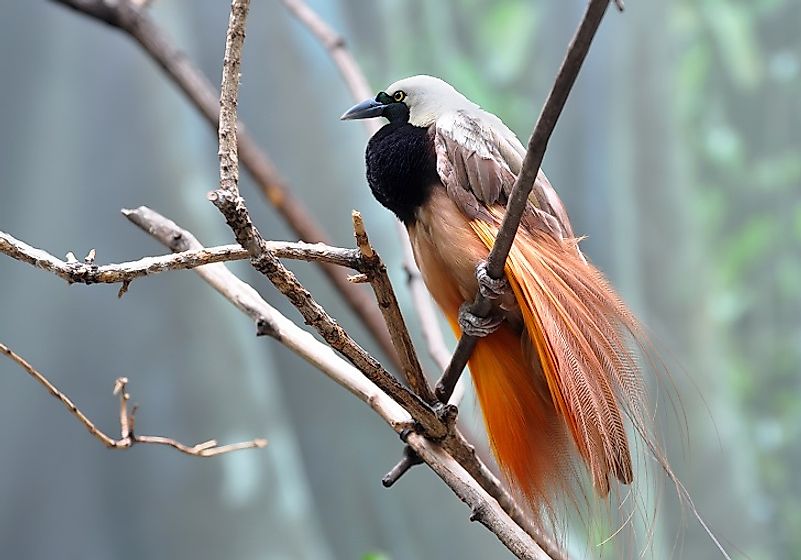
(227, 198)
(518, 199)
(76, 272)
(272, 323)
(388, 304)
(137, 23)
(335, 44)
(409, 459)
(229, 93)
(128, 437)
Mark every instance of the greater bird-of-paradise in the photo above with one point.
(556, 369)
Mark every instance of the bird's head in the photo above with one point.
(419, 100)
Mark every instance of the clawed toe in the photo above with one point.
(489, 287)
(478, 326)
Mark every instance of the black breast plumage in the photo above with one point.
(401, 168)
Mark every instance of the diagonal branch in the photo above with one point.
(377, 275)
(127, 436)
(136, 22)
(518, 199)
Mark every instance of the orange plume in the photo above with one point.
(575, 373)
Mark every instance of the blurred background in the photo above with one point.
(678, 156)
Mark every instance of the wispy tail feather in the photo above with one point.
(580, 332)
(578, 328)
(527, 437)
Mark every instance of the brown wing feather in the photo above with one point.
(478, 165)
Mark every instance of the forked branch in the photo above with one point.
(87, 272)
(128, 437)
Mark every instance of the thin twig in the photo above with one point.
(227, 197)
(228, 151)
(76, 272)
(409, 459)
(518, 199)
(272, 323)
(128, 437)
(388, 304)
(139, 25)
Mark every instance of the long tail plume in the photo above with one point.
(579, 336)
(527, 437)
(579, 329)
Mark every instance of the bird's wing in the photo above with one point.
(478, 159)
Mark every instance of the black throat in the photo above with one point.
(401, 167)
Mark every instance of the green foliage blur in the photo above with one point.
(740, 111)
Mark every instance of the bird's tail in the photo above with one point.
(527, 437)
(576, 378)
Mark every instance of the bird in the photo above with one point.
(555, 368)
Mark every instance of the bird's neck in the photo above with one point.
(401, 168)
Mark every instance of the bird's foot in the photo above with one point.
(489, 287)
(474, 325)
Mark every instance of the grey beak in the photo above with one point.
(364, 110)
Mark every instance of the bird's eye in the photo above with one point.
(399, 95)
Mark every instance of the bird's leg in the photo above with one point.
(496, 291)
(475, 325)
(489, 287)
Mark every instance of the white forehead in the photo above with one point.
(423, 84)
(429, 97)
